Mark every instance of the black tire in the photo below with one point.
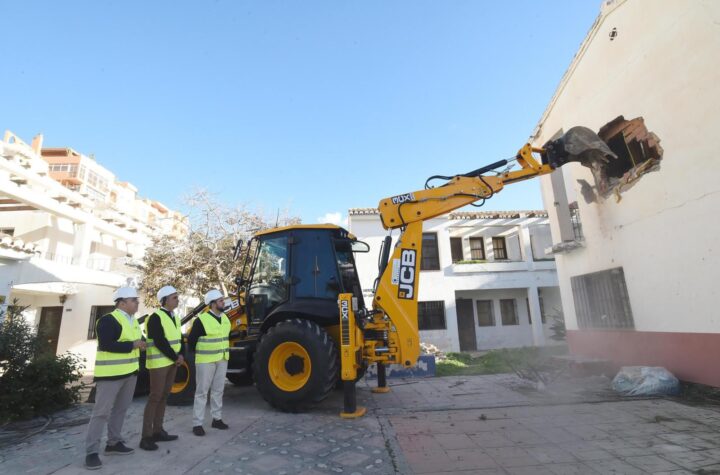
(182, 392)
(324, 368)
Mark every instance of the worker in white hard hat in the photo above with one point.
(209, 340)
(119, 342)
(164, 356)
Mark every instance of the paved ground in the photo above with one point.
(464, 425)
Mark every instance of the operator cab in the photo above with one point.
(299, 271)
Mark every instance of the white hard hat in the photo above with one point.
(166, 291)
(125, 293)
(212, 295)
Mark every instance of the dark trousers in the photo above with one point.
(161, 380)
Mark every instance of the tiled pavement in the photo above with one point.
(485, 425)
(464, 425)
(259, 441)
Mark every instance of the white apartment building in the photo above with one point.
(641, 287)
(71, 234)
(485, 282)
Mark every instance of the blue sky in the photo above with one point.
(311, 106)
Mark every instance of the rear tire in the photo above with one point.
(295, 365)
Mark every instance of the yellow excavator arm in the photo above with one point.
(460, 190)
(389, 332)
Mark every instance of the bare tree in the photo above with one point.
(204, 258)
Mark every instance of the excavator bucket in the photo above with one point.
(581, 145)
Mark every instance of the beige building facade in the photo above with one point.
(72, 234)
(639, 287)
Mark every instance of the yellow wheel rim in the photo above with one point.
(289, 366)
(179, 386)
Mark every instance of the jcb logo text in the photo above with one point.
(406, 288)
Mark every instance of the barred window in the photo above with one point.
(575, 221)
(431, 315)
(602, 300)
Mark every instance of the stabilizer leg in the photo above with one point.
(350, 407)
(382, 386)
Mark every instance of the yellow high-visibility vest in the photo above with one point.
(171, 328)
(215, 345)
(119, 364)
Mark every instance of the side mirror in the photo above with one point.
(238, 249)
(360, 246)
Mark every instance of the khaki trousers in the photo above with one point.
(161, 381)
(209, 377)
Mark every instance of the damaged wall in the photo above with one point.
(661, 230)
(637, 152)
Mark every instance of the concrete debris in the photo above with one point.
(430, 349)
(630, 178)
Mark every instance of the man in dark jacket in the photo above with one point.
(164, 355)
(116, 368)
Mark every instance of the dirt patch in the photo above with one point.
(693, 394)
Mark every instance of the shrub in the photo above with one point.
(33, 382)
(558, 325)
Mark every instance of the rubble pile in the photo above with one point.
(430, 349)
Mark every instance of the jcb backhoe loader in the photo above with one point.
(299, 321)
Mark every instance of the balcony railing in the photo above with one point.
(104, 264)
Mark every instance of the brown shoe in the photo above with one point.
(198, 430)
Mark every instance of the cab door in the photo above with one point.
(314, 267)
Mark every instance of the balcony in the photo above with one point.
(471, 267)
(103, 264)
(42, 275)
(475, 267)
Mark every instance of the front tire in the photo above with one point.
(295, 365)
